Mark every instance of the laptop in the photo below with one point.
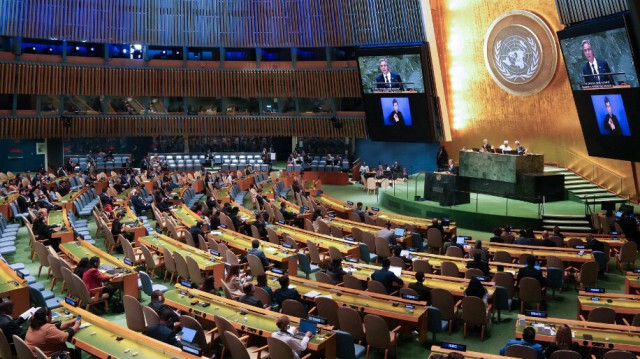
(399, 232)
(186, 340)
(462, 240)
(306, 326)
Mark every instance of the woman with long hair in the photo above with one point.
(234, 281)
(476, 289)
(50, 338)
(563, 341)
(208, 285)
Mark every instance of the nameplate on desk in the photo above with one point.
(482, 278)
(287, 245)
(350, 203)
(580, 246)
(350, 239)
(305, 208)
(535, 313)
(410, 296)
(280, 221)
(215, 253)
(71, 302)
(636, 270)
(317, 319)
(615, 233)
(186, 283)
(127, 261)
(453, 346)
(331, 215)
(20, 274)
(351, 259)
(277, 270)
(375, 209)
(594, 290)
(223, 226)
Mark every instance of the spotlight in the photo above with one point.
(77, 48)
(124, 51)
(91, 49)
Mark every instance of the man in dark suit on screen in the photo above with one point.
(387, 79)
(594, 67)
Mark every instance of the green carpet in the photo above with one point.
(564, 306)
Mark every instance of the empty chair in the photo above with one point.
(151, 263)
(602, 315)
(397, 262)
(151, 317)
(324, 278)
(224, 326)
(474, 312)
(134, 315)
(501, 257)
(530, 292)
(201, 338)
(194, 271)
(376, 287)
(239, 350)
(181, 266)
(378, 334)
(350, 321)
(473, 272)
(449, 269)
(445, 302)
(314, 253)
(454, 251)
(628, 254)
(434, 240)
(421, 265)
(328, 308)
(5, 348)
(305, 265)
(345, 346)
(22, 349)
(294, 308)
(382, 248)
(255, 265)
(588, 275)
(565, 354)
(349, 281)
(169, 264)
(555, 262)
(618, 354)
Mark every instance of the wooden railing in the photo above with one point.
(56, 79)
(118, 126)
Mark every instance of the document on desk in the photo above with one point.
(312, 294)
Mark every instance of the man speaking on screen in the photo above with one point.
(594, 67)
(388, 79)
(395, 117)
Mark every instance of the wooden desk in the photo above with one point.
(456, 286)
(14, 288)
(614, 240)
(567, 255)
(346, 226)
(256, 321)
(59, 218)
(632, 283)
(5, 209)
(245, 182)
(130, 218)
(334, 178)
(342, 209)
(99, 339)
(607, 336)
(80, 249)
(285, 258)
(206, 261)
(386, 306)
(440, 353)
(66, 201)
(623, 304)
(436, 260)
(293, 208)
(420, 224)
(347, 248)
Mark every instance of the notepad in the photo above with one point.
(312, 294)
(396, 270)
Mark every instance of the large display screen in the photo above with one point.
(598, 59)
(397, 101)
(602, 70)
(393, 73)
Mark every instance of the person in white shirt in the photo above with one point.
(285, 333)
(364, 168)
(505, 146)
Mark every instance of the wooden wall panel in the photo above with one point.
(117, 126)
(573, 11)
(216, 23)
(48, 79)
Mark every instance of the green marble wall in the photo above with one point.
(498, 167)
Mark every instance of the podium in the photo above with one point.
(446, 188)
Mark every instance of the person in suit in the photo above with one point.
(261, 225)
(44, 231)
(359, 211)
(157, 304)
(594, 244)
(522, 238)
(138, 203)
(387, 234)
(388, 79)
(288, 216)
(23, 200)
(520, 149)
(395, 117)
(442, 158)
(546, 241)
(610, 121)
(249, 298)
(335, 271)
(497, 236)
(486, 147)
(423, 291)
(196, 231)
(528, 339)
(161, 331)
(479, 263)
(10, 326)
(451, 167)
(284, 292)
(386, 277)
(530, 271)
(255, 250)
(594, 67)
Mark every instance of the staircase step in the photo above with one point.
(555, 169)
(589, 190)
(570, 228)
(599, 195)
(572, 222)
(564, 216)
(580, 185)
(575, 180)
(572, 176)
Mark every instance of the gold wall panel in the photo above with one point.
(546, 122)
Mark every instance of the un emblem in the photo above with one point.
(520, 53)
